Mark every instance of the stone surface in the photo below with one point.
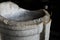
(12, 32)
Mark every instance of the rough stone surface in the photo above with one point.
(17, 22)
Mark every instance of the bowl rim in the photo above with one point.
(23, 23)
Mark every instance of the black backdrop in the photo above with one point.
(37, 4)
(55, 26)
(29, 4)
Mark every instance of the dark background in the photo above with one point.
(55, 26)
(38, 4)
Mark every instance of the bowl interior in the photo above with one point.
(26, 16)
